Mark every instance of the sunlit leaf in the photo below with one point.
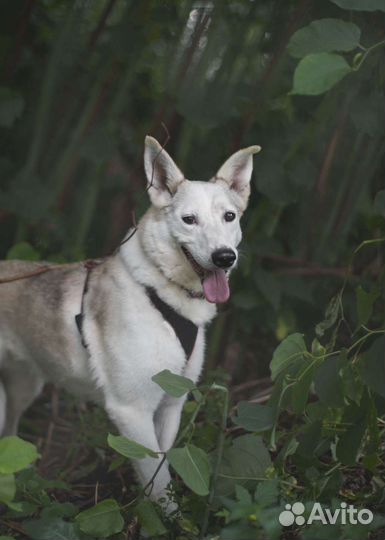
(16, 454)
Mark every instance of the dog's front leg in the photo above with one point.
(167, 417)
(167, 420)
(138, 425)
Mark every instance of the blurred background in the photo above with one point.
(84, 81)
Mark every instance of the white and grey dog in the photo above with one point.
(142, 310)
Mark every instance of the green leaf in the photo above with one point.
(267, 493)
(174, 385)
(365, 301)
(247, 457)
(372, 366)
(6, 537)
(361, 5)
(7, 488)
(56, 509)
(193, 466)
(254, 417)
(23, 252)
(317, 73)
(149, 519)
(242, 495)
(290, 350)
(50, 529)
(331, 315)
(350, 441)
(328, 383)
(102, 520)
(324, 35)
(352, 384)
(11, 106)
(16, 454)
(309, 439)
(301, 388)
(21, 509)
(129, 449)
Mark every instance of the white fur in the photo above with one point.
(128, 339)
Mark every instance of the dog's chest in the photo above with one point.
(133, 344)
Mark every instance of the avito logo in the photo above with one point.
(345, 514)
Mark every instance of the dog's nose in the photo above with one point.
(223, 258)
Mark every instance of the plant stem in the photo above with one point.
(221, 442)
(367, 52)
(192, 420)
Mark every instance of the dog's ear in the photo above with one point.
(236, 173)
(163, 175)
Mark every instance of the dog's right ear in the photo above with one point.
(163, 175)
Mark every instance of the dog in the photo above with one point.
(103, 331)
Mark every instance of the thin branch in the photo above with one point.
(321, 186)
(101, 24)
(133, 215)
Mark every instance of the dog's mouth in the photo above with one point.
(214, 282)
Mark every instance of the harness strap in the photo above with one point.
(185, 329)
(89, 266)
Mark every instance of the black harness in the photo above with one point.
(185, 330)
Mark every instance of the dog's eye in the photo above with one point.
(190, 220)
(229, 216)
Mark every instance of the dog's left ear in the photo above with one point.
(163, 175)
(236, 173)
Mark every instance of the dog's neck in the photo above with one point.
(172, 278)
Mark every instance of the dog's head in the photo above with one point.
(197, 223)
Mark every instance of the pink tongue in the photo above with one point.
(216, 287)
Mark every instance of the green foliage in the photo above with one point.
(51, 529)
(254, 417)
(173, 385)
(24, 252)
(361, 5)
(16, 454)
(7, 488)
(193, 465)
(317, 73)
(129, 449)
(81, 87)
(325, 35)
(289, 352)
(102, 520)
(149, 518)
